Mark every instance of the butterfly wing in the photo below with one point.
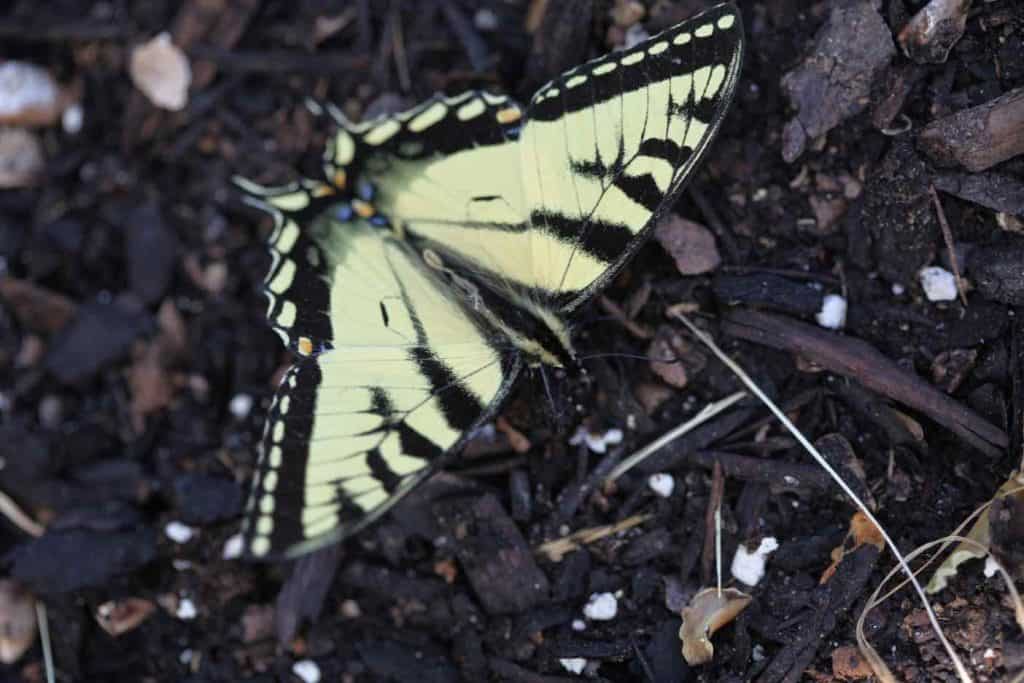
(608, 146)
(555, 201)
(393, 371)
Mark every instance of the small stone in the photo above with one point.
(17, 621)
(662, 484)
(240, 406)
(307, 670)
(179, 533)
(72, 119)
(690, 244)
(21, 158)
(598, 443)
(573, 665)
(162, 72)
(601, 607)
(938, 284)
(833, 312)
(28, 95)
(579, 625)
(233, 547)
(186, 610)
(748, 566)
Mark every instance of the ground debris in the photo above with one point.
(494, 555)
(980, 137)
(997, 272)
(833, 83)
(934, 30)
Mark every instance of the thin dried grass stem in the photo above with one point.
(809, 447)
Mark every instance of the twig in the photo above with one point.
(947, 237)
(708, 412)
(44, 640)
(859, 360)
(820, 459)
(555, 550)
(398, 49)
(18, 517)
(615, 311)
(713, 512)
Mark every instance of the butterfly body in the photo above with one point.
(445, 248)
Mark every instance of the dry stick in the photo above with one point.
(713, 510)
(398, 50)
(18, 517)
(44, 640)
(809, 447)
(706, 413)
(718, 548)
(859, 360)
(947, 237)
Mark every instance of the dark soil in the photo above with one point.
(136, 366)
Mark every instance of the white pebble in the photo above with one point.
(596, 442)
(307, 670)
(579, 625)
(232, 547)
(938, 283)
(898, 289)
(991, 567)
(601, 607)
(162, 72)
(240, 406)
(186, 609)
(28, 93)
(573, 665)
(178, 532)
(72, 118)
(185, 656)
(747, 566)
(662, 484)
(833, 312)
(485, 20)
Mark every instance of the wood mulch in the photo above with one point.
(868, 141)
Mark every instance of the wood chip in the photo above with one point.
(690, 244)
(980, 137)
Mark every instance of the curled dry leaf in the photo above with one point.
(862, 531)
(17, 620)
(28, 95)
(708, 611)
(21, 158)
(162, 72)
(980, 533)
(120, 616)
